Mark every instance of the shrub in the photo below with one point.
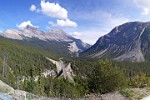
(106, 78)
(127, 93)
(140, 81)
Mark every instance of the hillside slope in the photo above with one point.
(18, 60)
(127, 42)
(27, 68)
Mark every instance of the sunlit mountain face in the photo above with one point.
(55, 40)
(127, 42)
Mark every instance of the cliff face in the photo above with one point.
(127, 42)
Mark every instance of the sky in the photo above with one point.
(83, 19)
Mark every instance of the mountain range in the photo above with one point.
(30, 58)
(127, 42)
(55, 41)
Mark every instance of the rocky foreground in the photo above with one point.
(8, 93)
(127, 94)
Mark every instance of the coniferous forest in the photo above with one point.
(20, 64)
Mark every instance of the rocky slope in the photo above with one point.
(8, 93)
(63, 69)
(127, 42)
(53, 40)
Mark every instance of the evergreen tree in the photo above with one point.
(106, 78)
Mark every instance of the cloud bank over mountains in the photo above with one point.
(25, 24)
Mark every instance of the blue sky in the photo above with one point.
(84, 19)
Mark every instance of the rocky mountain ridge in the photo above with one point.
(54, 36)
(127, 42)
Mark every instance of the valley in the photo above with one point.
(50, 69)
(75, 50)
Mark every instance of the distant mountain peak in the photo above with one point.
(29, 27)
(54, 36)
(56, 30)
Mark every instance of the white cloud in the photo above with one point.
(91, 35)
(115, 21)
(1, 30)
(25, 24)
(144, 5)
(66, 23)
(56, 11)
(53, 10)
(102, 22)
(145, 11)
(32, 8)
(63, 23)
(37, 10)
(51, 23)
(76, 34)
